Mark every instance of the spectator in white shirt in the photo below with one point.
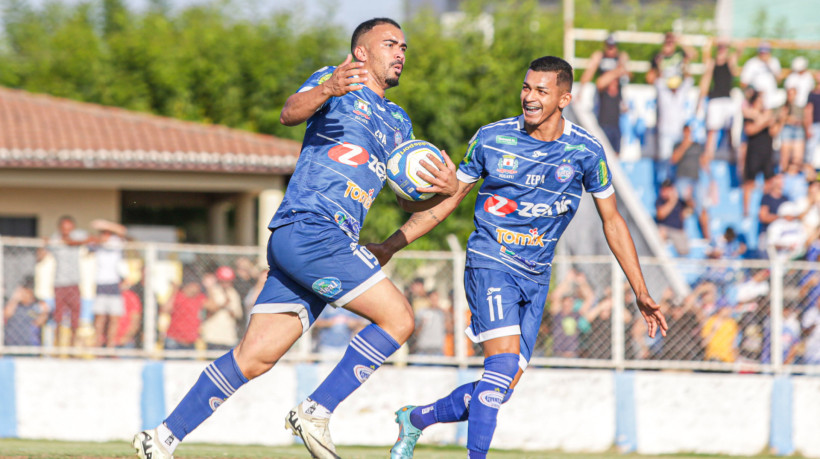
(762, 72)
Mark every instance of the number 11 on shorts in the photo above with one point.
(497, 299)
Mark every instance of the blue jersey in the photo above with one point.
(531, 191)
(341, 167)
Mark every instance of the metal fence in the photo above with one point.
(193, 301)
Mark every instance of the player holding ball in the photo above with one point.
(313, 251)
(535, 168)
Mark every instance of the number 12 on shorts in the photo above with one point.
(497, 299)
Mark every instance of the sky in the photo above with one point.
(348, 13)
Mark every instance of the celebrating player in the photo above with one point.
(535, 167)
(313, 250)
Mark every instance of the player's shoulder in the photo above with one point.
(505, 126)
(394, 107)
(580, 139)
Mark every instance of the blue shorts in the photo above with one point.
(312, 264)
(504, 305)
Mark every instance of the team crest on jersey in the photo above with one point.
(603, 175)
(506, 140)
(362, 372)
(214, 403)
(397, 137)
(579, 147)
(327, 286)
(324, 77)
(564, 173)
(508, 166)
(491, 398)
(362, 109)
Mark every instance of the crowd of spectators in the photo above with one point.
(780, 133)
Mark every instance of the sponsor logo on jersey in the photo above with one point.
(579, 147)
(467, 398)
(346, 223)
(398, 116)
(564, 173)
(500, 206)
(362, 109)
(509, 255)
(504, 236)
(327, 286)
(349, 154)
(508, 166)
(470, 150)
(506, 140)
(535, 179)
(324, 77)
(356, 193)
(214, 403)
(539, 154)
(603, 176)
(492, 290)
(491, 398)
(354, 155)
(362, 372)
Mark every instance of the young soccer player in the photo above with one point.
(535, 167)
(313, 251)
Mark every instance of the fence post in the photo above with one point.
(618, 306)
(776, 333)
(2, 295)
(149, 323)
(459, 302)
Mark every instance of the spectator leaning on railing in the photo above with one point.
(24, 315)
(65, 247)
(108, 303)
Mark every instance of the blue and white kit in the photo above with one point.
(531, 191)
(313, 251)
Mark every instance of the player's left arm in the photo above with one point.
(622, 246)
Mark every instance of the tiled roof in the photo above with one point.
(41, 131)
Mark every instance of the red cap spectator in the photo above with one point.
(225, 273)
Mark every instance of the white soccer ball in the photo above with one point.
(404, 164)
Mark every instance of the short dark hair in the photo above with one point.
(367, 26)
(557, 65)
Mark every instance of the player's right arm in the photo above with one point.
(346, 77)
(419, 224)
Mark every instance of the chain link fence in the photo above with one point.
(192, 301)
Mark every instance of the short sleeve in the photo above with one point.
(471, 168)
(318, 77)
(597, 177)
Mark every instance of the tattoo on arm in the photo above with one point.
(433, 216)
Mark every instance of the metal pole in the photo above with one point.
(618, 306)
(2, 295)
(149, 323)
(569, 31)
(776, 333)
(459, 302)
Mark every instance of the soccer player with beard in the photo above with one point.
(313, 251)
(535, 167)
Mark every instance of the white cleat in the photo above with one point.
(149, 447)
(313, 431)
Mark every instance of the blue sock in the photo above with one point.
(451, 408)
(489, 394)
(217, 382)
(455, 407)
(366, 353)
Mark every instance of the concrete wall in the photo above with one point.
(49, 204)
(570, 410)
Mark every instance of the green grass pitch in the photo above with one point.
(14, 448)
